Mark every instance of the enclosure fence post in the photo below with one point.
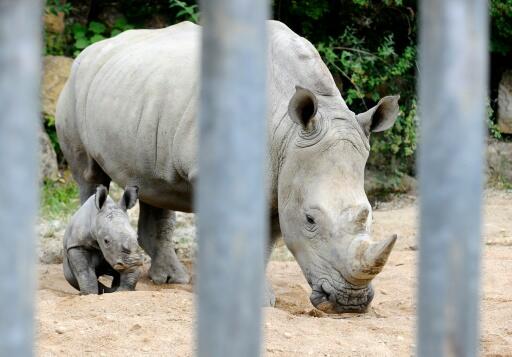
(20, 32)
(231, 194)
(453, 84)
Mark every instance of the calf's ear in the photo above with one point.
(100, 197)
(381, 117)
(302, 108)
(130, 195)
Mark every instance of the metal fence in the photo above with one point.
(20, 38)
(231, 197)
(231, 192)
(452, 91)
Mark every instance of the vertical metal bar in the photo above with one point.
(231, 196)
(20, 38)
(453, 88)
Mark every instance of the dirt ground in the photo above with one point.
(154, 321)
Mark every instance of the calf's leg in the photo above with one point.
(128, 280)
(68, 274)
(81, 264)
(155, 229)
(104, 268)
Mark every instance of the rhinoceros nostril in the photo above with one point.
(126, 250)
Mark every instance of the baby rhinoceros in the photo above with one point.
(99, 240)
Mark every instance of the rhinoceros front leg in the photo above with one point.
(80, 263)
(156, 226)
(128, 280)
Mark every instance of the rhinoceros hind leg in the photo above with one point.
(156, 226)
(89, 178)
(86, 171)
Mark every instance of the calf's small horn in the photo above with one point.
(370, 258)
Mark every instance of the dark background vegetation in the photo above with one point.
(369, 46)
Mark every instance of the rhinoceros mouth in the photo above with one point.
(342, 298)
(129, 262)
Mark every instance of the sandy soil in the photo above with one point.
(160, 320)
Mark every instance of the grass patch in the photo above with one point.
(499, 182)
(59, 199)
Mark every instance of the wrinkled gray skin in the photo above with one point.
(128, 114)
(99, 240)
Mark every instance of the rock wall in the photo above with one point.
(505, 103)
(56, 71)
(499, 160)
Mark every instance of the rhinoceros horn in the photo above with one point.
(370, 258)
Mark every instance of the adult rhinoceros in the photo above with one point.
(128, 114)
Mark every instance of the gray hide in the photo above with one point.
(128, 114)
(99, 240)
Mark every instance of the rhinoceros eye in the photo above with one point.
(310, 219)
(107, 241)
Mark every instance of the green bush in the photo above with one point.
(59, 199)
(185, 11)
(96, 31)
(56, 6)
(501, 26)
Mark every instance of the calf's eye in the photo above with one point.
(107, 241)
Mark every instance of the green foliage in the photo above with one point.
(185, 11)
(371, 74)
(96, 31)
(84, 36)
(58, 199)
(56, 6)
(54, 44)
(494, 131)
(501, 26)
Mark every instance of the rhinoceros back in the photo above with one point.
(127, 96)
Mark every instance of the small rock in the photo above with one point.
(54, 23)
(56, 71)
(60, 330)
(399, 338)
(135, 327)
(316, 313)
(287, 335)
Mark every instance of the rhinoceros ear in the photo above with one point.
(302, 108)
(131, 193)
(381, 117)
(100, 197)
